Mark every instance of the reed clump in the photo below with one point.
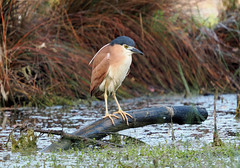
(46, 46)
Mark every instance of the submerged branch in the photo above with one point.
(74, 138)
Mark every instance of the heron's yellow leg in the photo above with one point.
(120, 111)
(106, 106)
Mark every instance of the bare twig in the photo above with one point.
(14, 129)
(216, 140)
(238, 107)
(214, 111)
(4, 122)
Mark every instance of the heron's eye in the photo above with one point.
(125, 46)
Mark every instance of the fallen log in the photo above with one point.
(141, 117)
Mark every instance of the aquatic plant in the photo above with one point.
(26, 143)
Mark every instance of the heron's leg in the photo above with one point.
(106, 106)
(120, 111)
(106, 103)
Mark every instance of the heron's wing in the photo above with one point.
(102, 50)
(100, 68)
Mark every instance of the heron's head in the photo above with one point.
(127, 43)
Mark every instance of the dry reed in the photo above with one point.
(46, 46)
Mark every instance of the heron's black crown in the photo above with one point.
(123, 40)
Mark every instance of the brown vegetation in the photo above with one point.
(46, 46)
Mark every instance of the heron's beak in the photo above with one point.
(137, 51)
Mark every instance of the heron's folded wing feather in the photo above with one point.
(104, 49)
(100, 69)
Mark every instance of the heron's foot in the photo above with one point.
(110, 117)
(124, 115)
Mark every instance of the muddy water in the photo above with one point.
(69, 119)
(228, 127)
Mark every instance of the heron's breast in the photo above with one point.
(117, 73)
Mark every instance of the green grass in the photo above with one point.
(178, 154)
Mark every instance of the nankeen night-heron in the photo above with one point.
(111, 65)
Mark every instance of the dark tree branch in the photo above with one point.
(142, 117)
